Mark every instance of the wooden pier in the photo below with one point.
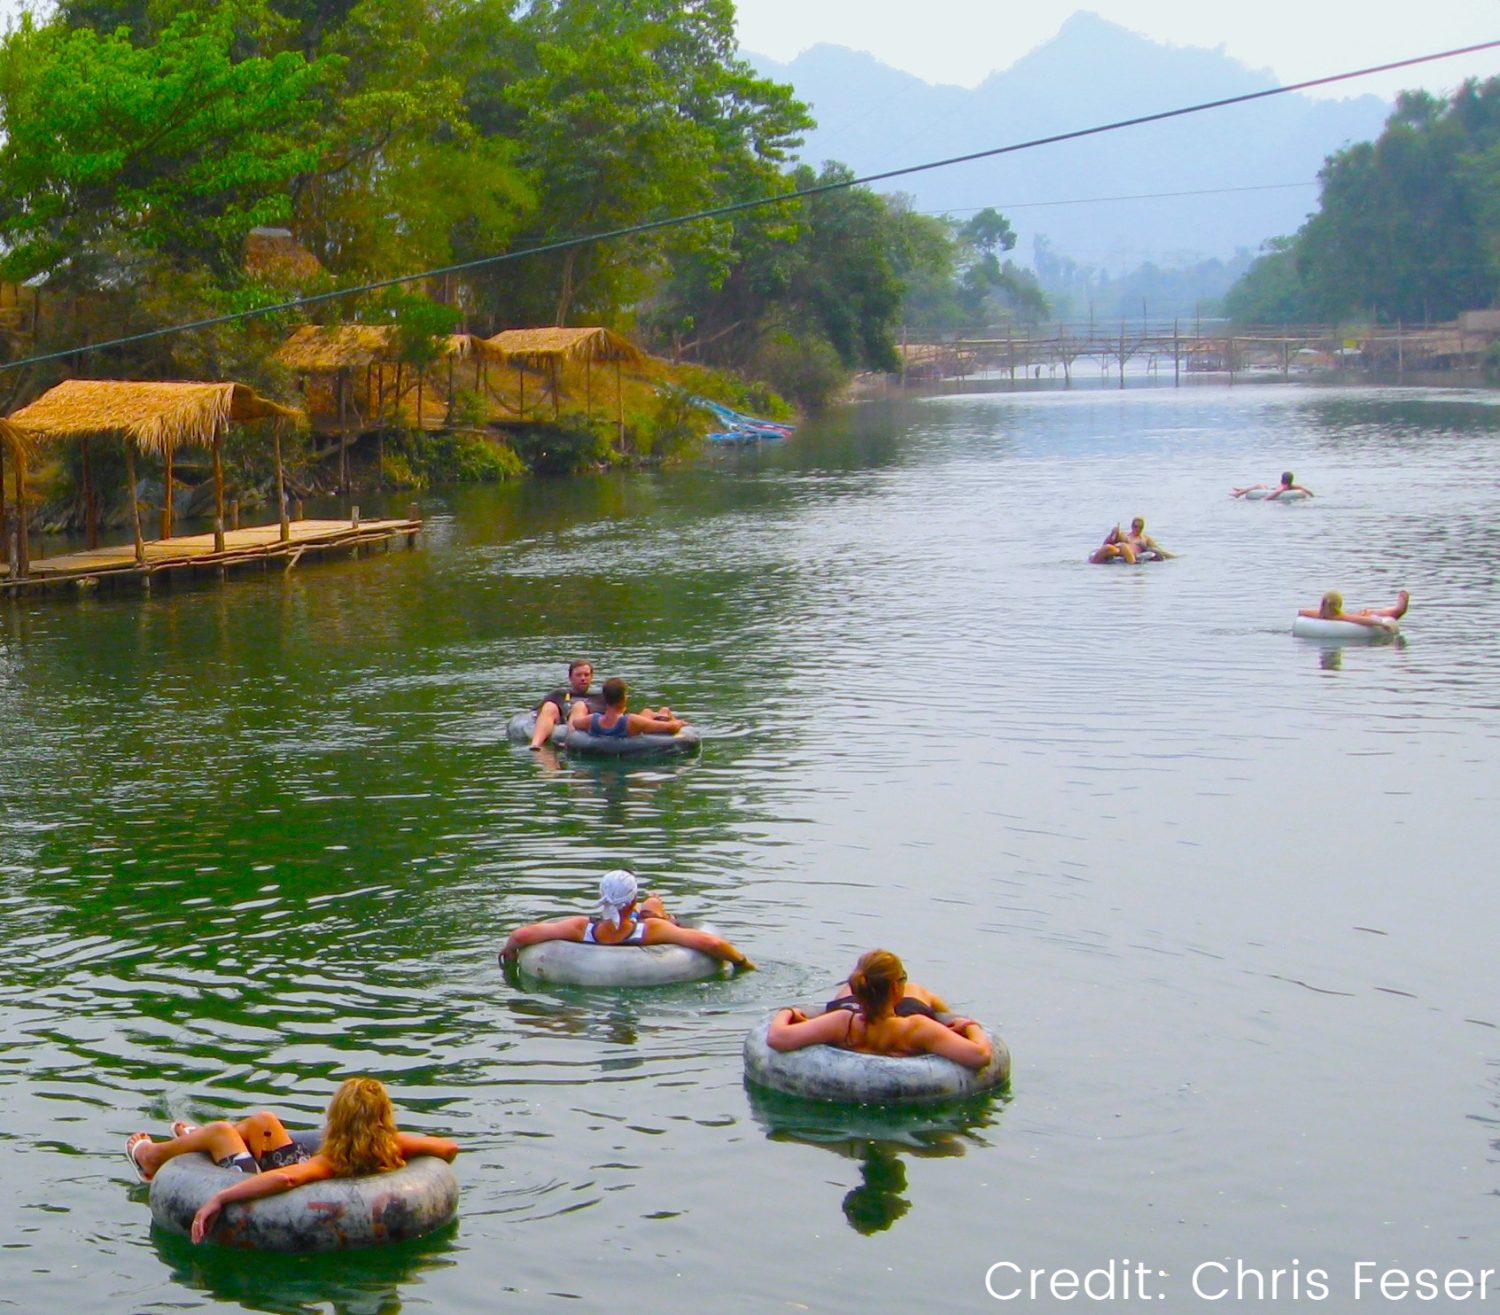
(193, 554)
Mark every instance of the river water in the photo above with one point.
(1222, 890)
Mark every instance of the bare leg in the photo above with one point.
(1403, 601)
(546, 719)
(219, 1140)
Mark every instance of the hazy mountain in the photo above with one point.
(875, 118)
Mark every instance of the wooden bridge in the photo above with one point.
(1034, 352)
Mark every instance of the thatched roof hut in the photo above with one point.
(275, 255)
(322, 349)
(154, 417)
(541, 347)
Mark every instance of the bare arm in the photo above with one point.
(652, 725)
(967, 1045)
(255, 1186)
(791, 1029)
(413, 1144)
(659, 932)
(534, 933)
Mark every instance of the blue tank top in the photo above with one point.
(618, 731)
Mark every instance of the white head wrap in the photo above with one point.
(617, 890)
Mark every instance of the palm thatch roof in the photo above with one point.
(12, 437)
(538, 347)
(319, 349)
(153, 416)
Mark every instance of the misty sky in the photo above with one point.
(962, 41)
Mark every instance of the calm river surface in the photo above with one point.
(1223, 891)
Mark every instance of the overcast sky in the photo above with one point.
(962, 41)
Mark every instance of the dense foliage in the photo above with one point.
(1408, 226)
(143, 139)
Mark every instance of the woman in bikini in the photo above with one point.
(881, 1023)
(359, 1137)
(622, 917)
(1331, 608)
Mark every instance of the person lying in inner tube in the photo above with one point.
(1331, 608)
(615, 720)
(622, 917)
(1287, 485)
(560, 703)
(360, 1137)
(1114, 548)
(875, 1027)
(914, 999)
(1142, 543)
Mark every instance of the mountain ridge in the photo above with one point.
(877, 118)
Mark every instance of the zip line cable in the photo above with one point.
(654, 225)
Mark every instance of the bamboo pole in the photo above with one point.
(218, 487)
(286, 528)
(23, 548)
(4, 518)
(135, 506)
(166, 495)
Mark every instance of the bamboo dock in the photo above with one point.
(195, 554)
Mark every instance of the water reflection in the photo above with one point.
(620, 786)
(343, 1283)
(877, 1138)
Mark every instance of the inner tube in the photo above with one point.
(573, 963)
(1273, 495)
(336, 1214)
(1147, 556)
(831, 1073)
(520, 728)
(686, 741)
(1315, 627)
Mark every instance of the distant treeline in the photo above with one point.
(1407, 229)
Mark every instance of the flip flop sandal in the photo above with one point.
(182, 1127)
(131, 1142)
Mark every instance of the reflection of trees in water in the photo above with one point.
(878, 1138)
(365, 1282)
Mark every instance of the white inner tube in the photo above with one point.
(575, 963)
(1273, 495)
(831, 1073)
(332, 1215)
(1316, 627)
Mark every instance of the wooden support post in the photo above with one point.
(298, 510)
(556, 391)
(619, 405)
(588, 388)
(135, 506)
(343, 387)
(1176, 357)
(166, 495)
(354, 517)
(1286, 361)
(234, 513)
(23, 530)
(218, 487)
(286, 529)
(1122, 353)
(90, 503)
(1229, 355)
(449, 414)
(521, 385)
(4, 519)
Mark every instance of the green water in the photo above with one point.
(1224, 892)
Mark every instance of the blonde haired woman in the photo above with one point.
(1331, 608)
(359, 1137)
(874, 1027)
